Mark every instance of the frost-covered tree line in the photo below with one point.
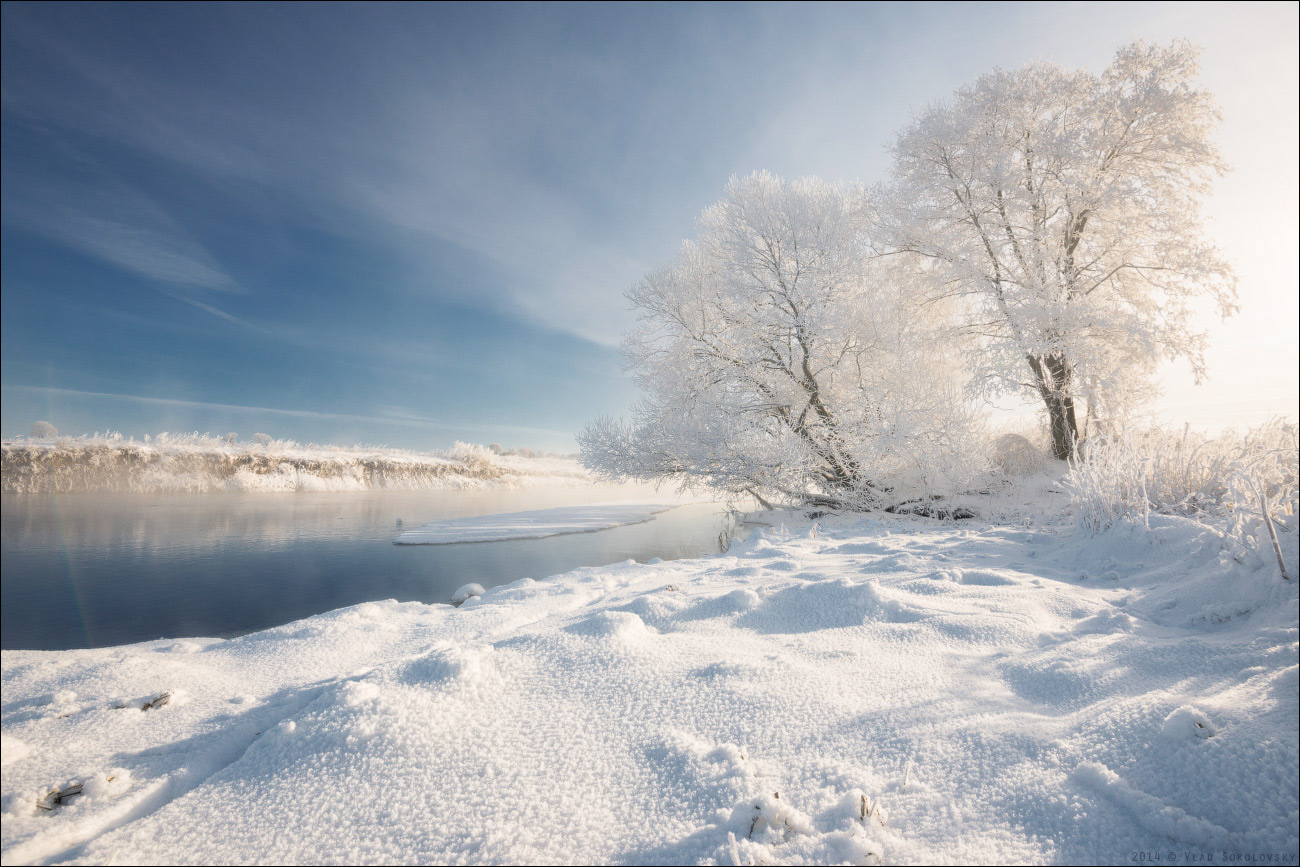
(832, 343)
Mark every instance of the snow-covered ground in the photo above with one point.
(871, 689)
(534, 524)
(198, 463)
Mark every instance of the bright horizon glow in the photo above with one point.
(415, 225)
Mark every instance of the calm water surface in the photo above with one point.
(91, 570)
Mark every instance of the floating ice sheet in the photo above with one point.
(536, 524)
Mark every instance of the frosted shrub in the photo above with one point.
(1248, 481)
(43, 430)
(1015, 455)
(471, 455)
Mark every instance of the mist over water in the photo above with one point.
(94, 570)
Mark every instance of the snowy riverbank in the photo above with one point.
(197, 463)
(890, 689)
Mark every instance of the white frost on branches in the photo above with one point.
(776, 358)
(1065, 208)
(1042, 233)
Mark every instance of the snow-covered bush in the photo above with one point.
(777, 358)
(1247, 481)
(43, 430)
(1015, 455)
(471, 454)
(262, 439)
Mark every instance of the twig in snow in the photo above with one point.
(1268, 523)
(57, 797)
(157, 701)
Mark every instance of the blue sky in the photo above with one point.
(413, 224)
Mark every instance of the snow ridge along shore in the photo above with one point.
(896, 690)
(195, 463)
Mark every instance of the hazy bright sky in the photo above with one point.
(413, 224)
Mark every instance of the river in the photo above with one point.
(94, 570)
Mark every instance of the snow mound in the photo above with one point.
(466, 593)
(623, 627)
(1187, 723)
(742, 600)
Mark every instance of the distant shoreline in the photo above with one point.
(203, 464)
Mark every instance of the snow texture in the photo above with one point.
(534, 524)
(895, 690)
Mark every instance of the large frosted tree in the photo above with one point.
(775, 357)
(1065, 208)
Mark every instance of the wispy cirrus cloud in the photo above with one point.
(505, 150)
(221, 314)
(116, 224)
(386, 416)
(163, 254)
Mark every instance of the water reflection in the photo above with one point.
(94, 570)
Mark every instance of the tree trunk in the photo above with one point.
(1052, 374)
(1065, 427)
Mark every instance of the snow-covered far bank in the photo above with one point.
(534, 524)
(863, 690)
(197, 463)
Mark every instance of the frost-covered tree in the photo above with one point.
(43, 430)
(775, 358)
(1066, 207)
